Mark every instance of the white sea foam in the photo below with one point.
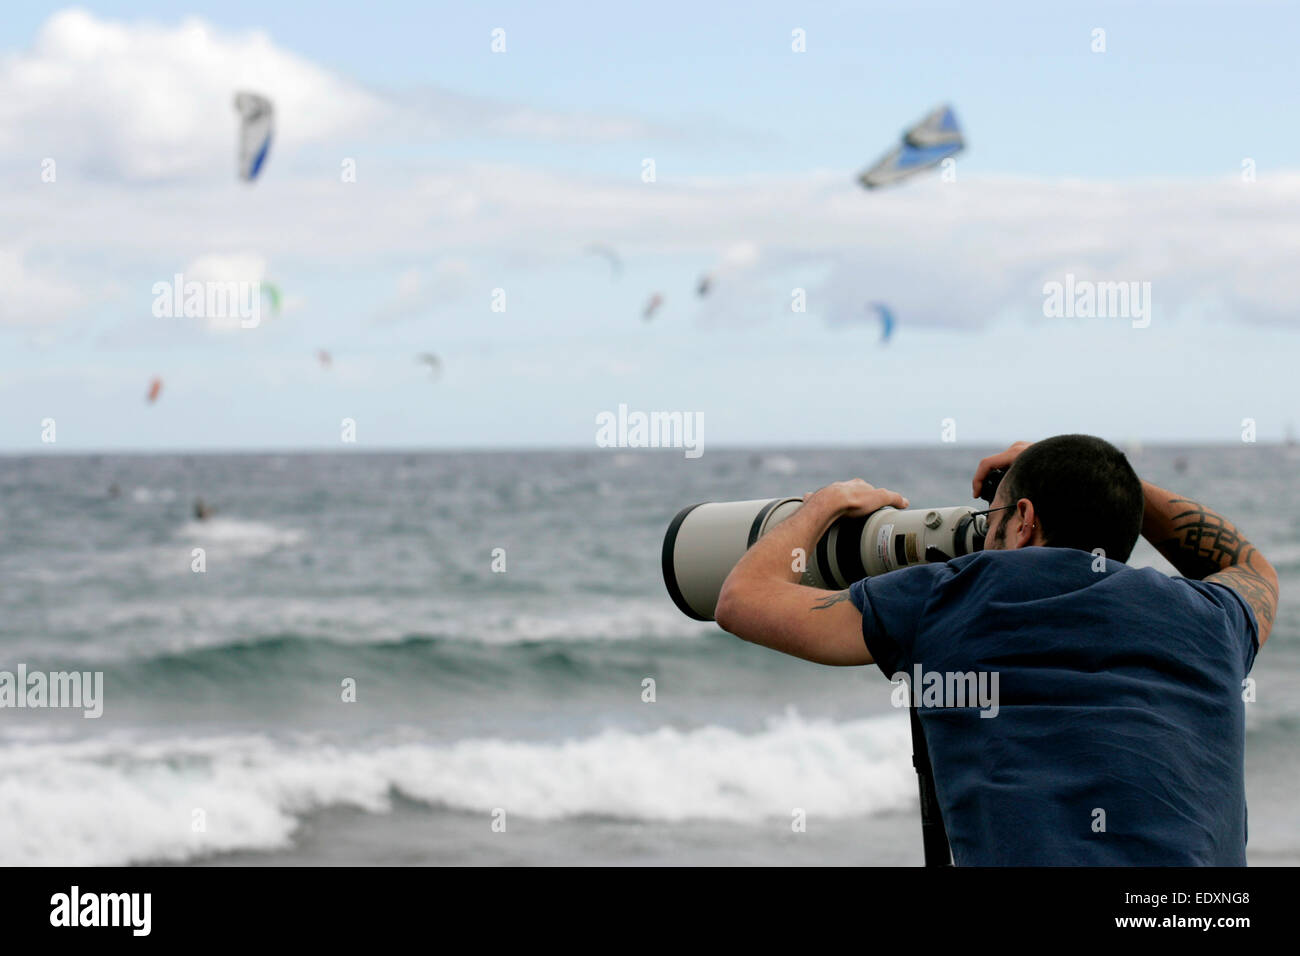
(609, 619)
(1285, 555)
(143, 495)
(779, 464)
(119, 801)
(243, 537)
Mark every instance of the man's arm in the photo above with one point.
(1205, 546)
(762, 602)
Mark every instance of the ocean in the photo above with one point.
(500, 716)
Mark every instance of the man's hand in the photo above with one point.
(855, 498)
(762, 600)
(1002, 459)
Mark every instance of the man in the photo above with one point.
(1118, 735)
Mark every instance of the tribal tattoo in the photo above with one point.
(1207, 546)
(1204, 542)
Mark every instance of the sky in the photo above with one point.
(1159, 152)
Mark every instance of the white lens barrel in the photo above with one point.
(704, 542)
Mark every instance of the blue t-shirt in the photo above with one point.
(1118, 736)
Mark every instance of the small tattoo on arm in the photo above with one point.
(831, 601)
(1254, 588)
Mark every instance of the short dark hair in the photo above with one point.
(1085, 493)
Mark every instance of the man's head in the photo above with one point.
(1071, 491)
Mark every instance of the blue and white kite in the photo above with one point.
(923, 146)
(886, 321)
(256, 124)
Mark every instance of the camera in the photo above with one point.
(704, 542)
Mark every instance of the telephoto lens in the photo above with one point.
(704, 542)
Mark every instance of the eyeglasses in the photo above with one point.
(982, 519)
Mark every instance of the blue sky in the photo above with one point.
(482, 171)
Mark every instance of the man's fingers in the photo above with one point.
(982, 470)
(1002, 459)
(893, 498)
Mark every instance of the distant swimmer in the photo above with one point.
(114, 491)
(201, 510)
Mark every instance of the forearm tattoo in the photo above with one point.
(831, 601)
(1257, 590)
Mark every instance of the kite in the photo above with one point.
(606, 252)
(923, 146)
(155, 389)
(652, 306)
(434, 363)
(325, 359)
(886, 321)
(735, 263)
(272, 293)
(256, 124)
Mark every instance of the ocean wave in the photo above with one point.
(222, 539)
(187, 622)
(291, 670)
(121, 801)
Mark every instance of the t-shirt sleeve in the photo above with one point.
(1241, 618)
(891, 606)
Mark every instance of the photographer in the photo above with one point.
(1119, 732)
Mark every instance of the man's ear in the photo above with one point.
(1028, 523)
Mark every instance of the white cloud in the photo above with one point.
(954, 255)
(145, 101)
(34, 296)
(421, 290)
(227, 267)
(446, 113)
(245, 268)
